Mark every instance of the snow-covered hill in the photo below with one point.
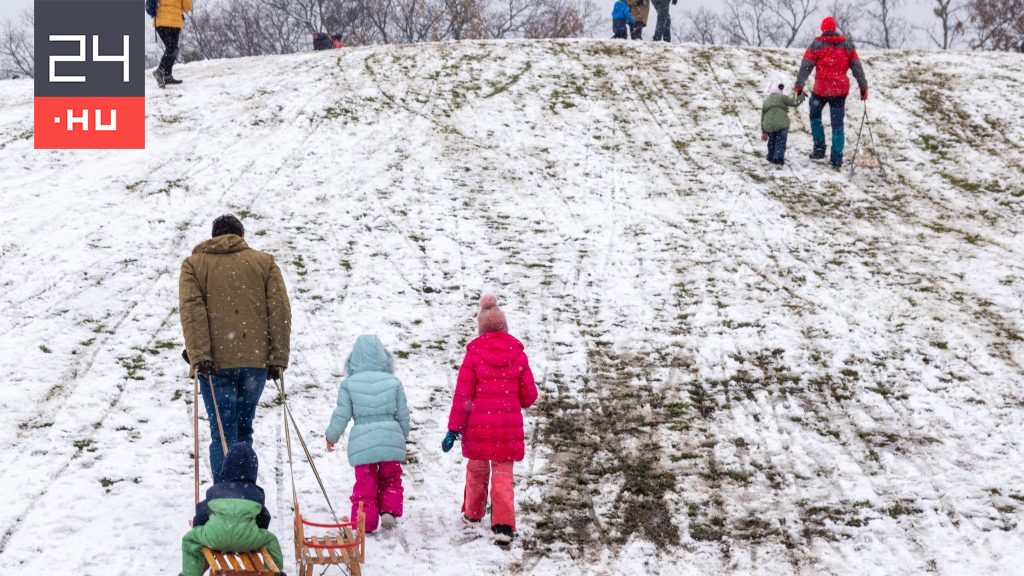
(743, 370)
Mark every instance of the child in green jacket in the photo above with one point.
(233, 517)
(775, 122)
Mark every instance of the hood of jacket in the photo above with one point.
(831, 38)
(497, 348)
(226, 244)
(369, 355)
(240, 465)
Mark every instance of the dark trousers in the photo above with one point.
(619, 28)
(238, 393)
(777, 146)
(837, 111)
(170, 37)
(663, 28)
(636, 31)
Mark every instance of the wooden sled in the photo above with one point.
(344, 546)
(240, 563)
(867, 160)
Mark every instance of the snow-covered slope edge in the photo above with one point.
(743, 371)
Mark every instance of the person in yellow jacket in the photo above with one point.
(170, 17)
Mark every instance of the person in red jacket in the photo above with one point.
(833, 55)
(494, 385)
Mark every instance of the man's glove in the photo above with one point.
(798, 90)
(275, 372)
(330, 445)
(205, 368)
(449, 440)
(864, 93)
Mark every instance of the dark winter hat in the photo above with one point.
(228, 224)
(490, 318)
(829, 24)
(240, 464)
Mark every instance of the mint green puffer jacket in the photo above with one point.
(374, 399)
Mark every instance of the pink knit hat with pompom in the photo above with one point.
(490, 318)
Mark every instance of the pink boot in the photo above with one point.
(474, 503)
(390, 490)
(503, 500)
(365, 491)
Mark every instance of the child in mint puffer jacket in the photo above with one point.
(374, 399)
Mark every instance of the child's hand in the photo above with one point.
(330, 445)
(449, 440)
(764, 136)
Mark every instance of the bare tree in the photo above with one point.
(16, 44)
(887, 28)
(950, 24)
(560, 19)
(701, 26)
(998, 24)
(849, 17)
(790, 16)
(748, 22)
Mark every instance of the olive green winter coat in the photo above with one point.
(775, 112)
(234, 306)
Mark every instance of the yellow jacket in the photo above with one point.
(171, 13)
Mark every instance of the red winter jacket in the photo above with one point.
(833, 55)
(495, 384)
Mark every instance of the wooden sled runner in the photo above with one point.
(256, 563)
(345, 543)
(345, 547)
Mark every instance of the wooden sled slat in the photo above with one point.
(255, 563)
(343, 548)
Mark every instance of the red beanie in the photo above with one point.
(829, 24)
(490, 318)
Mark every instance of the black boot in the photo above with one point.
(503, 535)
(161, 81)
(818, 154)
(172, 80)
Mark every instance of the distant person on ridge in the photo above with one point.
(833, 55)
(494, 386)
(640, 9)
(620, 18)
(170, 18)
(237, 323)
(663, 27)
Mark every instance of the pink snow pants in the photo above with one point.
(503, 502)
(379, 488)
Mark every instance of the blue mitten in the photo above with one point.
(449, 440)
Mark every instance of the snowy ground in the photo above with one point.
(743, 371)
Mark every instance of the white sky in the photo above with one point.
(918, 11)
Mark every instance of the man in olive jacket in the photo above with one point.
(237, 323)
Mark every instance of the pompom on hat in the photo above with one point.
(490, 318)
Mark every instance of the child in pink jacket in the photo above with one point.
(494, 385)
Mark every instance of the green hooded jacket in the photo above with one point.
(775, 111)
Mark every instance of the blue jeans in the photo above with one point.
(777, 146)
(238, 393)
(837, 112)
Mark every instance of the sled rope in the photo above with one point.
(195, 430)
(288, 417)
(216, 411)
(864, 120)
